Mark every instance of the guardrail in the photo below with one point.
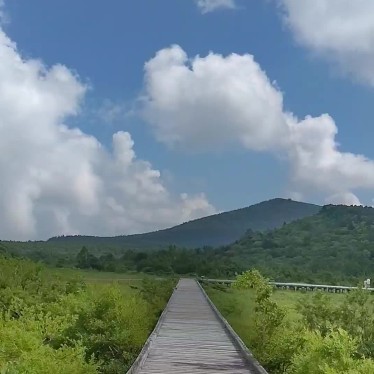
(294, 286)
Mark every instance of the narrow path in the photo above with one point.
(190, 338)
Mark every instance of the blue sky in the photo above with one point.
(105, 45)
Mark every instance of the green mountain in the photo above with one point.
(216, 230)
(330, 244)
(337, 244)
(333, 246)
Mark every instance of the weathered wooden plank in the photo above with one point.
(192, 337)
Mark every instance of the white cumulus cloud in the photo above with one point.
(342, 31)
(207, 6)
(317, 161)
(56, 179)
(202, 103)
(212, 101)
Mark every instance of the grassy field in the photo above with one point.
(99, 276)
(237, 306)
(127, 281)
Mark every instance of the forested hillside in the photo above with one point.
(334, 246)
(337, 243)
(215, 230)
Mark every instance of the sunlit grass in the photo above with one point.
(237, 306)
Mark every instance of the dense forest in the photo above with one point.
(206, 261)
(336, 245)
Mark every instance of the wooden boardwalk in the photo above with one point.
(191, 337)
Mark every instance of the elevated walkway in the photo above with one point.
(192, 337)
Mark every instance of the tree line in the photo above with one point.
(173, 260)
(335, 246)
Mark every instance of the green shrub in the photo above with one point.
(112, 327)
(334, 353)
(23, 350)
(54, 325)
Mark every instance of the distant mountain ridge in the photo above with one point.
(216, 230)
